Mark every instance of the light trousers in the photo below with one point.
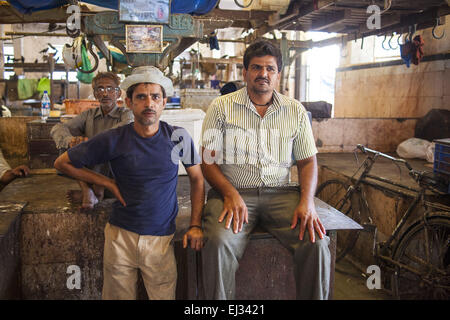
(125, 252)
(273, 209)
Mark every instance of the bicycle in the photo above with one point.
(417, 253)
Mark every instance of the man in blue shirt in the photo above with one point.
(144, 157)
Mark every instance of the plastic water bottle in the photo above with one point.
(45, 106)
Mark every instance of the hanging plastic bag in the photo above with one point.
(413, 148)
(85, 77)
(72, 53)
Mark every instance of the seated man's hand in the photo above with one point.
(77, 140)
(309, 220)
(195, 236)
(21, 171)
(236, 210)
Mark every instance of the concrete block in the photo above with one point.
(9, 250)
(48, 238)
(50, 281)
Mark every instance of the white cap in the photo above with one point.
(147, 74)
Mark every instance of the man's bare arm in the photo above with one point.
(63, 164)
(306, 211)
(195, 235)
(11, 174)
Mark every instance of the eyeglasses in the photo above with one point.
(107, 89)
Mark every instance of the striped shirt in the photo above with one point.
(254, 151)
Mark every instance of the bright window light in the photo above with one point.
(322, 64)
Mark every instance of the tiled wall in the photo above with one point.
(343, 134)
(395, 91)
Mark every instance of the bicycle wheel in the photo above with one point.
(424, 253)
(333, 192)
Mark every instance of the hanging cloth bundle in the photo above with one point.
(213, 41)
(412, 51)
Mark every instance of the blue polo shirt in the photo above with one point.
(145, 171)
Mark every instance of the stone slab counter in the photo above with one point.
(55, 235)
(10, 213)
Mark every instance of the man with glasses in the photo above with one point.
(90, 123)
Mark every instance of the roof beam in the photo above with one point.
(291, 17)
(330, 21)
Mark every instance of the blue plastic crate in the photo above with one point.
(442, 158)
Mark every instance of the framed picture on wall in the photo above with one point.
(144, 38)
(149, 11)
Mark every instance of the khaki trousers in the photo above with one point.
(125, 252)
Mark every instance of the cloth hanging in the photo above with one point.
(213, 42)
(412, 51)
(26, 88)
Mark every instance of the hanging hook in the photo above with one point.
(382, 44)
(434, 29)
(343, 44)
(389, 43)
(91, 50)
(398, 40)
(413, 32)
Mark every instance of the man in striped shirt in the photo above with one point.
(250, 140)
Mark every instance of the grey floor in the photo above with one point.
(350, 284)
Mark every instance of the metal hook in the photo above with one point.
(342, 48)
(389, 43)
(95, 58)
(398, 40)
(434, 31)
(412, 33)
(382, 44)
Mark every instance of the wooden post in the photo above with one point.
(51, 63)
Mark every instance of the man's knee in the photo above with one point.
(318, 249)
(218, 238)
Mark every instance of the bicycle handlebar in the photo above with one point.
(377, 153)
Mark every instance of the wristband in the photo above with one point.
(195, 226)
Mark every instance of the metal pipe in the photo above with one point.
(229, 40)
(36, 34)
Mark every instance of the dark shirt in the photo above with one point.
(146, 173)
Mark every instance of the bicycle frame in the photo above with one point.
(418, 198)
(392, 253)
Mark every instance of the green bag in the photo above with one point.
(43, 85)
(85, 77)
